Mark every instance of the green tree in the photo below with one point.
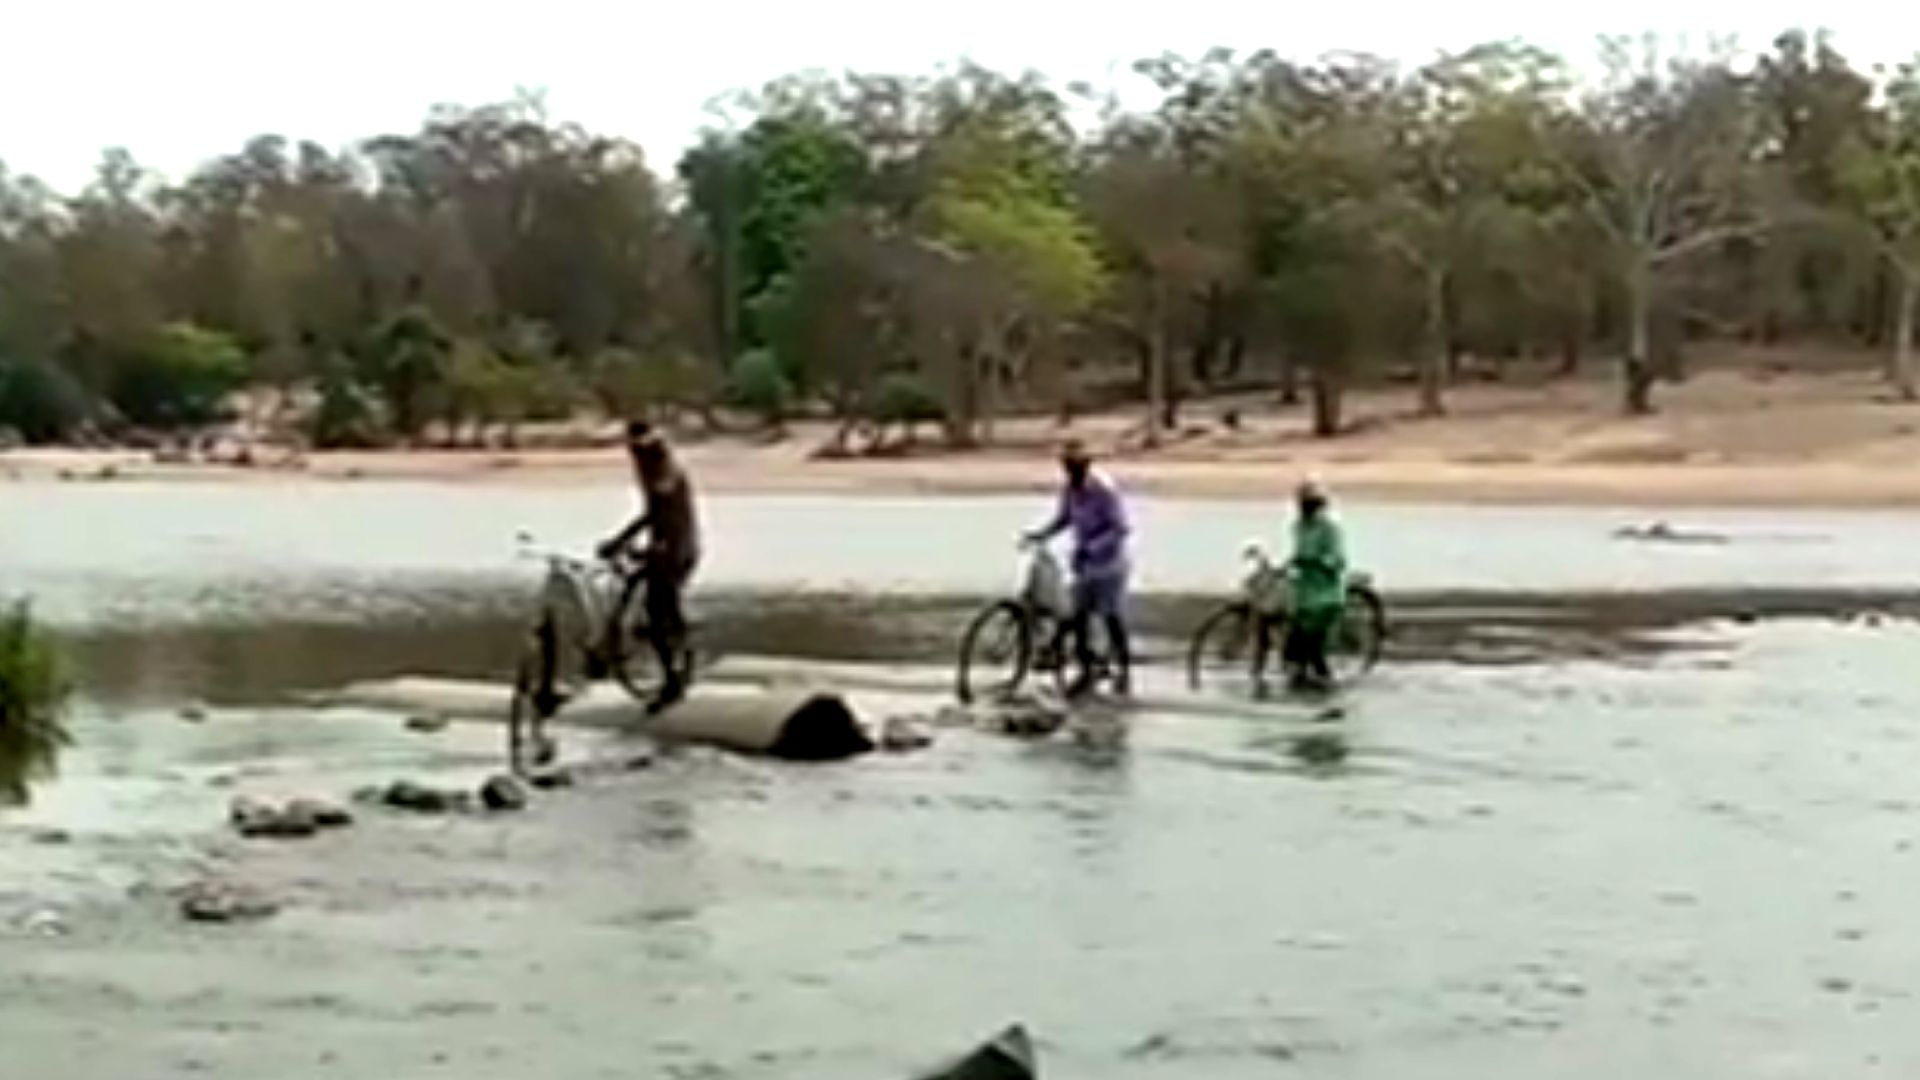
(760, 386)
(180, 376)
(34, 690)
(407, 362)
(1879, 175)
(40, 402)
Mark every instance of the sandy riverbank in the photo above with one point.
(1745, 435)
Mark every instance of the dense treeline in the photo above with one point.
(897, 250)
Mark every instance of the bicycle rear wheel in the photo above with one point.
(629, 645)
(995, 652)
(1222, 652)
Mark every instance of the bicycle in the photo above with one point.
(1230, 637)
(1028, 632)
(591, 623)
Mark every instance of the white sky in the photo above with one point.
(179, 81)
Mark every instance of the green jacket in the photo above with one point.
(1319, 566)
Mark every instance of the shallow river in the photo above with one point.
(1647, 845)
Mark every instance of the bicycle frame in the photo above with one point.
(1266, 586)
(587, 589)
(1043, 584)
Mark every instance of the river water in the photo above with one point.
(1653, 841)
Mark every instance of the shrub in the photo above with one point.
(33, 699)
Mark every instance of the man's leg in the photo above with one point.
(1080, 629)
(666, 631)
(1110, 601)
(1262, 644)
(1315, 632)
(1122, 653)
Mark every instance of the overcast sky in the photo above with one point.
(178, 81)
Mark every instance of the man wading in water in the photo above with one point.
(1090, 506)
(672, 551)
(1318, 580)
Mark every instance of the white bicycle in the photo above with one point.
(1237, 637)
(1027, 632)
(591, 623)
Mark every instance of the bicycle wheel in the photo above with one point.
(1221, 653)
(629, 645)
(1357, 640)
(995, 652)
(535, 697)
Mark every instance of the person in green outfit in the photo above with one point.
(1317, 575)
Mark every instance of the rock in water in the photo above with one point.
(501, 793)
(323, 814)
(903, 733)
(427, 724)
(223, 902)
(1009, 1056)
(548, 779)
(254, 817)
(408, 795)
(822, 729)
(1032, 718)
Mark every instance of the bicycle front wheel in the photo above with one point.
(995, 653)
(1223, 650)
(529, 747)
(1358, 638)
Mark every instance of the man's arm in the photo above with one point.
(625, 536)
(1062, 517)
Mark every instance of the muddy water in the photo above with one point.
(1637, 844)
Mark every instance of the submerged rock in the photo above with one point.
(193, 714)
(224, 902)
(548, 779)
(323, 813)
(255, 817)
(428, 724)
(503, 793)
(1028, 717)
(421, 799)
(1009, 1056)
(901, 734)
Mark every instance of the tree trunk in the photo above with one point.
(1569, 352)
(1326, 402)
(1289, 379)
(1434, 350)
(1157, 368)
(1638, 361)
(1900, 371)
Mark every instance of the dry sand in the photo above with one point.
(1745, 433)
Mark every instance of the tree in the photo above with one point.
(34, 690)
(1025, 254)
(180, 376)
(1171, 217)
(1880, 177)
(1662, 153)
(1457, 133)
(407, 361)
(40, 402)
(760, 386)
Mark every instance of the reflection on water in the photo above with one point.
(474, 634)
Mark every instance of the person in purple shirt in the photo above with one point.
(1090, 506)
